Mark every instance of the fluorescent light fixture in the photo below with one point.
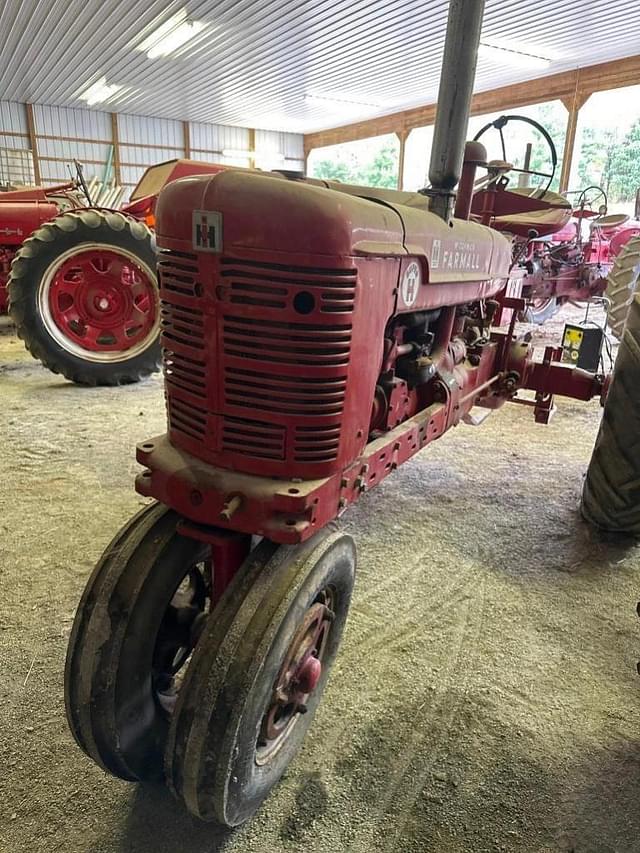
(511, 56)
(264, 159)
(340, 100)
(171, 35)
(99, 92)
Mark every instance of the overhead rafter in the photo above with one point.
(566, 86)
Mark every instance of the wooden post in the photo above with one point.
(186, 137)
(117, 172)
(402, 136)
(252, 147)
(573, 106)
(33, 142)
(523, 179)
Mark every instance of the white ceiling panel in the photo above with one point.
(287, 66)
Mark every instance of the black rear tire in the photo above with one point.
(132, 620)
(611, 494)
(622, 285)
(31, 272)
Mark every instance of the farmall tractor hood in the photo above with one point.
(252, 212)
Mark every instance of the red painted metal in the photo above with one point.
(558, 262)
(103, 300)
(23, 211)
(294, 378)
(228, 552)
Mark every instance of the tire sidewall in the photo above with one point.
(134, 701)
(242, 783)
(25, 292)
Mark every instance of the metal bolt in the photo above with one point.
(231, 505)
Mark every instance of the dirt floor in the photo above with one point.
(485, 698)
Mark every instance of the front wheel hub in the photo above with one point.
(299, 676)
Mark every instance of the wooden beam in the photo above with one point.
(115, 141)
(33, 142)
(186, 136)
(594, 78)
(573, 106)
(402, 136)
(252, 147)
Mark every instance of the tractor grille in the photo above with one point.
(276, 390)
(289, 395)
(287, 343)
(277, 285)
(253, 438)
(183, 335)
(291, 371)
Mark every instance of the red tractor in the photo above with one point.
(81, 280)
(562, 262)
(315, 338)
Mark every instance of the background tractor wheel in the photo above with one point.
(611, 495)
(84, 297)
(132, 637)
(540, 310)
(622, 284)
(257, 676)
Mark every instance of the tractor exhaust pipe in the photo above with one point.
(454, 101)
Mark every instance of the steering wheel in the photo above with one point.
(500, 123)
(587, 199)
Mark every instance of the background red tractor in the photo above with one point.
(307, 355)
(568, 249)
(80, 281)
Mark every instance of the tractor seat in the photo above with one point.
(612, 220)
(545, 221)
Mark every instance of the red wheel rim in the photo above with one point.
(298, 677)
(100, 301)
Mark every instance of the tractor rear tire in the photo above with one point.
(611, 494)
(622, 285)
(83, 294)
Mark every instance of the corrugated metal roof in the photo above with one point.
(286, 66)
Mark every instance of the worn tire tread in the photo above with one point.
(20, 297)
(611, 493)
(622, 284)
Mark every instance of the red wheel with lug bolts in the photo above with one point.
(99, 303)
(257, 676)
(298, 677)
(84, 297)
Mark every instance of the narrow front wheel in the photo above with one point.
(257, 676)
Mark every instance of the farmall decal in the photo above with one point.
(207, 231)
(459, 255)
(410, 284)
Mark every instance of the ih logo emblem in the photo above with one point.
(410, 284)
(207, 231)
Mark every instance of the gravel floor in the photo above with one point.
(485, 698)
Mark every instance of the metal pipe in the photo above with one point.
(475, 154)
(454, 101)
